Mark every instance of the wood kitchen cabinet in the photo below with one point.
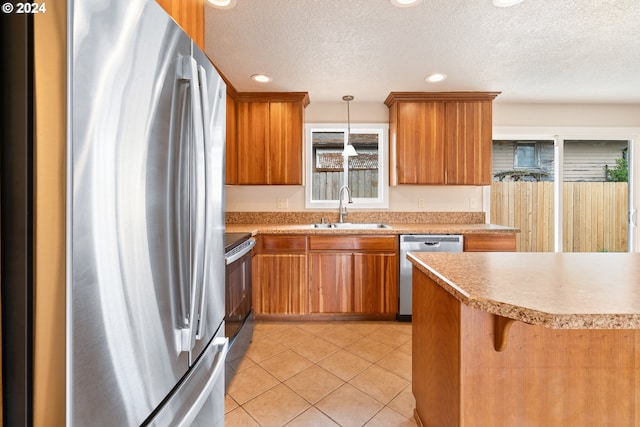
(189, 15)
(279, 275)
(375, 283)
(269, 138)
(331, 282)
(353, 274)
(490, 242)
(440, 137)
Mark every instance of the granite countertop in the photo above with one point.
(556, 290)
(400, 222)
(402, 228)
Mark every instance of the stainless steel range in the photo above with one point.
(239, 305)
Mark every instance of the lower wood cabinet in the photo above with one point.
(494, 242)
(321, 275)
(331, 283)
(353, 274)
(375, 283)
(280, 275)
(278, 282)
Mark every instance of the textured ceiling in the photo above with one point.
(557, 51)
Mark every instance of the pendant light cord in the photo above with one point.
(348, 98)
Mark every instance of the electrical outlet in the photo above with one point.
(421, 203)
(282, 203)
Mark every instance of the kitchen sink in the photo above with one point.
(352, 226)
(323, 225)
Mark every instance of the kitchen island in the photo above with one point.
(526, 339)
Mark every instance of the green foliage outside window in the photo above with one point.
(620, 172)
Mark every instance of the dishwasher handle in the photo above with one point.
(431, 239)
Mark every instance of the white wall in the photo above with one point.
(566, 115)
(511, 117)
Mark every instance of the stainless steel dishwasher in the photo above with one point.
(420, 243)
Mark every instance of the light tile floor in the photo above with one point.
(324, 374)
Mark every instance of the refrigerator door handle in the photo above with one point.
(223, 347)
(203, 383)
(206, 139)
(189, 72)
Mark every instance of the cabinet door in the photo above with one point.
(375, 285)
(253, 133)
(420, 143)
(284, 154)
(279, 284)
(468, 141)
(440, 137)
(330, 283)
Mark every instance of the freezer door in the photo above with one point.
(136, 266)
(199, 400)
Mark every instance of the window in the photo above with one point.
(328, 170)
(525, 156)
(577, 198)
(525, 160)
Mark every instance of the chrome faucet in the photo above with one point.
(342, 210)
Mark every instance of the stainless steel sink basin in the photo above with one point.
(358, 226)
(351, 226)
(323, 225)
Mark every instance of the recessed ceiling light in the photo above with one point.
(405, 3)
(262, 78)
(223, 4)
(506, 3)
(435, 77)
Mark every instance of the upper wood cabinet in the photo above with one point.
(269, 134)
(440, 137)
(189, 15)
(417, 143)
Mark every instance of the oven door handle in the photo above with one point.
(236, 256)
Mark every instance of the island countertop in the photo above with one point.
(556, 290)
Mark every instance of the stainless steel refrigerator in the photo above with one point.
(143, 112)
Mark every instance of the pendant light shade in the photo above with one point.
(349, 149)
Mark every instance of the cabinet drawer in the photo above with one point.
(350, 243)
(282, 243)
(490, 242)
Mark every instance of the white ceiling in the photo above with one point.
(556, 51)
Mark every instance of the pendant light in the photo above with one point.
(349, 150)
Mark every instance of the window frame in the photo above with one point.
(382, 129)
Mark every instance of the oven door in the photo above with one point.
(238, 289)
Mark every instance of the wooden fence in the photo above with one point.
(362, 183)
(595, 215)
